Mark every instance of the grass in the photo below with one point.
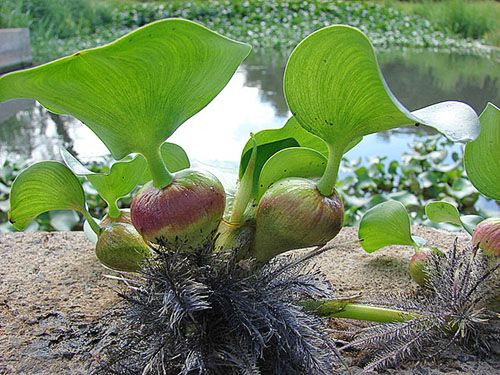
(56, 18)
(60, 27)
(469, 19)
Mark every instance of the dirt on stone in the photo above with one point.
(58, 309)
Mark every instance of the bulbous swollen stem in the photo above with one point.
(162, 177)
(326, 184)
(343, 309)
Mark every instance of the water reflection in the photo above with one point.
(253, 100)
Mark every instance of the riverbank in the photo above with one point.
(58, 311)
(61, 29)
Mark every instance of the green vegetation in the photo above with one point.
(60, 27)
(363, 185)
(476, 19)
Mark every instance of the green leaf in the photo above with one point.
(135, 92)
(270, 141)
(290, 162)
(42, 187)
(174, 157)
(443, 212)
(334, 88)
(126, 174)
(385, 224)
(482, 157)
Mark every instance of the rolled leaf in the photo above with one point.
(271, 141)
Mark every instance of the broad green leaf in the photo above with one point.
(135, 92)
(290, 162)
(385, 224)
(443, 212)
(126, 174)
(42, 187)
(335, 90)
(482, 157)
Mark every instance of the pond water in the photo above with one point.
(253, 100)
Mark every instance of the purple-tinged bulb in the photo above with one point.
(487, 236)
(293, 214)
(188, 211)
(419, 262)
(121, 248)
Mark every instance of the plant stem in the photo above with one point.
(159, 171)
(245, 188)
(326, 184)
(346, 309)
(113, 210)
(93, 224)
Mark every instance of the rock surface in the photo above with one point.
(55, 301)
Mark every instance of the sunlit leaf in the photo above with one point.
(42, 187)
(335, 90)
(443, 212)
(385, 224)
(482, 157)
(291, 162)
(135, 92)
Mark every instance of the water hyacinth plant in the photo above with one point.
(133, 94)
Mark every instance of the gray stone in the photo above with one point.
(15, 49)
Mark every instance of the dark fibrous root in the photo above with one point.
(457, 309)
(203, 312)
